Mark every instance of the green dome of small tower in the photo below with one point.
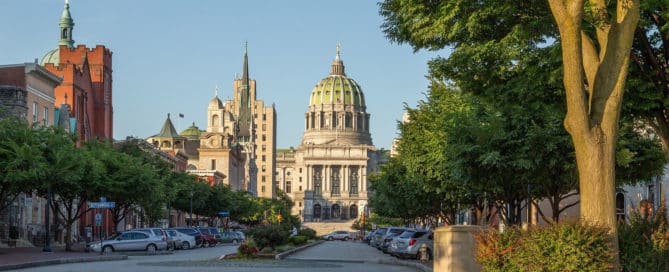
(192, 132)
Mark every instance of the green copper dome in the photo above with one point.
(52, 57)
(193, 132)
(337, 89)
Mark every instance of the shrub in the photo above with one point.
(298, 240)
(248, 249)
(644, 242)
(561, 247)
(269, 235)
(308, 232)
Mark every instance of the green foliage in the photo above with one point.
(559, 247)
(644, 242)
(307, 232)
(298, 240)
(269, 235)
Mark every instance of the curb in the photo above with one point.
(287, 253)
(63, 261)
(420, 266)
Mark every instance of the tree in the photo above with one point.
(20, 159)
(71, 178)
(595, 57)
(648, 83)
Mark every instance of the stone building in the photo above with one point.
(238, 145)
(326, 175)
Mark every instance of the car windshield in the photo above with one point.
(396, 231)
(380, 231)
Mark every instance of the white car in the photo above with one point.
(185, 241)
(338, 235)
(130, 240)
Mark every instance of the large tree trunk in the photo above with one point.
(594, 80)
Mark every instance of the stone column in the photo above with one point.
(326, 179)
(344, 179)
(454, 249)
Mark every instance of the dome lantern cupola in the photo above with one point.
(337, 88)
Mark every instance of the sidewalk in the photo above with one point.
(22, 257)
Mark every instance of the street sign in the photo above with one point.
(224, 213)
(101, 205)
(98, 219)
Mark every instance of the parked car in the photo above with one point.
(230, 237)
(391, 231)
(158, 232)
(130, 240)
(192, 232)
(409, 243)
(185, 241)
(208, 238)
(338, 235)
(241, 235)
(368, 236)
(388, 239)
(377, 238)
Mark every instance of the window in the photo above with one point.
(353, 211)
(288, 173)
(264, 117)
(45, 117)
(34, 112)
(334, 177)
(299, 204)
(264, 148)
(300, 188)
(263, 168)
(317, 180)
(264, 138)
(300, 179)
(317, 211)
(264, 127)
(262, 188)
(263, 157)
(288, 189)
(262, 178)
(353, 180)
(300, 170)
(213, 164)
(336, 211)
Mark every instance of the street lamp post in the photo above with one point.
(191, 209)
(47, 239)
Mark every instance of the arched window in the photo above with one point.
(64, 33)
(288, 186)
(620, 207)
(353, 180)
(336, 211)
(353, 211)
(348, 120)
(214, 120)
(317, 211)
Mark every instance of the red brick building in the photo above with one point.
(87, 82)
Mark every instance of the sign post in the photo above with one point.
(103, 204)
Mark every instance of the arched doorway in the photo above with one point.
(317, 211)
(336, 211)
(353, 211)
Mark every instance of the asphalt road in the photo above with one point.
(328, 256)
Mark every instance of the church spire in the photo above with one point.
(337, 67)
(66, 26)
(245, 69)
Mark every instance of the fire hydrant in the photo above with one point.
(424, 256)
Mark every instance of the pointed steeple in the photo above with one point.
(245, 68)
(168, 130)
(66, 26)
(337, 67)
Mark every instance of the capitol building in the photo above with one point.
(326, 175)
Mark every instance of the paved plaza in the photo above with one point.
(328, 256)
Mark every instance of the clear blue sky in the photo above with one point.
(169, 55)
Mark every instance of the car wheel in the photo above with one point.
(330, 238)
(234, 241)
(151, 248)
(346, 238)
(107, 249)
(185, 245)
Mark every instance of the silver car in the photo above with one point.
(409, 243)
(185, 241)
(338, 235)
(130, 240)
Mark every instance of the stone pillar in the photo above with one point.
(454, 249)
